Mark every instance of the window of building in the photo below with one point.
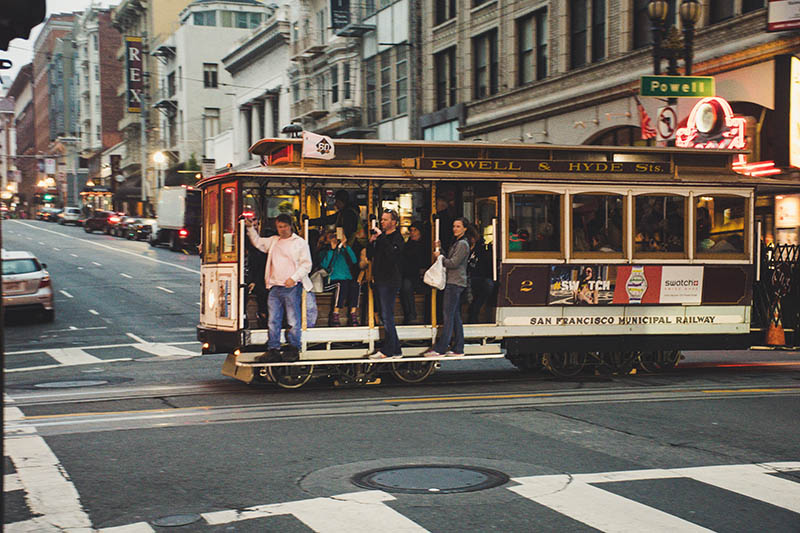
(369, 75)
(95, 41)
(386, 85)
(597, 224)
(295, 92)
(322, 91)
(598, 30)
(334, 83)
(322, 26)
(211, 117)
(485, 64)
(719, 225)
(719, 10)
(642, 32)
(445, 10)
(401, 82)
(180, 78)
(347, 89)
(205, 18)
(659, 225)
(98, 133)
(240, 19)
(577, 33)
(97, 72)
(210, 75)
(532, 47)
(444, 65)
(369, 7)
(751, 5)
(534, 224)
(171, 84)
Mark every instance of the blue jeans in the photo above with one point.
(284, 299)
(387, 295)
(453, 327)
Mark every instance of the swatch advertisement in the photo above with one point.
(658, 284)
(582, 285)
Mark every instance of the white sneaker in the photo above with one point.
(378, 355)
(451, 353)
(430, 352)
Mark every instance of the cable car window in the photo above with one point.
(534, 223)
(597, 223)
(229, 215)
(720, 225)
(211, 223)
(660, 226)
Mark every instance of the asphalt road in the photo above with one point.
(113, 422)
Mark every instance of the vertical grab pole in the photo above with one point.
(494, 249)
(303, 303)
(242, 324)
(435, 238)
(370, 298)
(758, 251)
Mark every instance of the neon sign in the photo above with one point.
(711, 124)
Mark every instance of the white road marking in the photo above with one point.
(596, 507)
(98, 346)
(95, 263)
(165, 289)
(124, 275)
(92, 311)
(72, 356)
(80, 268)
(48, 490)
(357, 512)
(162, 350)
(74, 255)
(56, 249)
(30, 238)
(577, 497)
(137, 339)
(146, 258)
(753, 481)
(138, 527)
(65, 293)
(48, 367)
(40, 242)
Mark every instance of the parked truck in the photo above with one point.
(178, 223)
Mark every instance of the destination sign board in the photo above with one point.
(677, 86)
(532, 165)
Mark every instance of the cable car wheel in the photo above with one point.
(291, 376)
(413, 372)
(620, 363)
(355, 374)
(564, 364)
(527, 362)
(659, 361)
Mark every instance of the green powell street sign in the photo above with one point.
(677, 86)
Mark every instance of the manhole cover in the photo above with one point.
(430, 479)
(70, 384)
(176, 520)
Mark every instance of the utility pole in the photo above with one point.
(144, 121)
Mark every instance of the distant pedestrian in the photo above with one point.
(385, 249)
(456, 265)
(286, 276)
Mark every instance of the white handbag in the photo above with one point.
(436, 275)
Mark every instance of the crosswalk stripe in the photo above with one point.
(162, 350)
(138, 527)
(11, 482)
(753, 481)
(72, 356)
(596, 507)
(357, 512)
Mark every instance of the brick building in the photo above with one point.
(22, 92)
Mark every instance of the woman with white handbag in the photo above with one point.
(455, 264)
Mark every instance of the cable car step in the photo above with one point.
(352, 361)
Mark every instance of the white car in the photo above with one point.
(26, 285)
(70, 215)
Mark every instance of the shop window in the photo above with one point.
(597, 224)
(660, 226)
(720, 223)
(534, 224)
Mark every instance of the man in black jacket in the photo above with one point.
(415, 261)
(385, 250)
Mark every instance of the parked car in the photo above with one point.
(101, 221)
(142, 229)
(70, 215)
(50, 214)
(26, 285)
(122, 228)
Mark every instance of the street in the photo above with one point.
(114, 422)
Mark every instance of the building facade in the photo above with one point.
(22, 91)
(196, 94)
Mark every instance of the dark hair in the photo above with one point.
(393, 214)
(342, 196)
(416, 224)
(284, 218)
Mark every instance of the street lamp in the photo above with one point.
(667, 42)
(690, 14)
(159, 158)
